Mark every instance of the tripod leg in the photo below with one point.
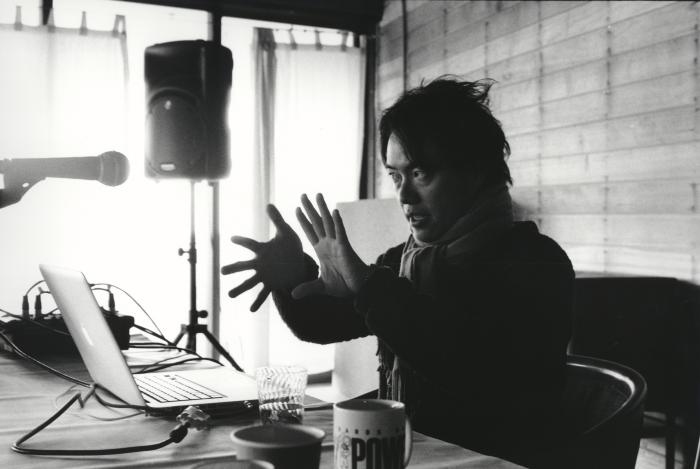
(220, 348)
(183, 329)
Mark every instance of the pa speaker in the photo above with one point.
(187, 93)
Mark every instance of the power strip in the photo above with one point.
(36, 340)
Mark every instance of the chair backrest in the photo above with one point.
(373, 226)
(601, 417)
(633, 321)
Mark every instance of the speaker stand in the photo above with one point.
(193, 328)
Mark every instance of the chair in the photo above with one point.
(635, 321)
(600, 418)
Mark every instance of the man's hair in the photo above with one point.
(453, 117)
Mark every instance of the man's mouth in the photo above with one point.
(417, 220)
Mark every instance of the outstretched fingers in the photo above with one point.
(245, 286)
(325, 216)
(306, 226)
(340, 233)
(277, 219)
(238, 267)
(247, 243)
(260, 299)
(313, 216)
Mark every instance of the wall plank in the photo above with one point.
(663, 127)
(512, 19)
(622, 259)
(429, 29)
(664, 232)
(583, 19)
(662, 162)
(575, 110)
(656, 232)
(519, 42)
(423, 14)
(524, 147)
(574, 229)
(516, 95)
(467, 61)
(464, 39)
(630, 197)
(661, 24)
(652, 95)
(575, 51)
(620, 11)
(576, 80)
(390, 49)
(390, 69)
(392, 30)
(426, 55)
(556, 7)
(392, 11)
(657, 60)
(514, 69)
(465, 14)
(520, 121)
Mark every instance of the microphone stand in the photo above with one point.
(193, 328)
(16, 185)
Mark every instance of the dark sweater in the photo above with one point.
(483, 359)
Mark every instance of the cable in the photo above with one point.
(160, 346)
(135, 302)
(154, 334)
(175, 436)
(156, 363)
(38, 282)
(60, 374)
(35, 322)
(168, 365)
(92, 416)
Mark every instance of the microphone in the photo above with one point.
(110, 168)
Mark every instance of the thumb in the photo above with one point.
(308, 288)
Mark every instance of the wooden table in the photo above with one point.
(29, 395)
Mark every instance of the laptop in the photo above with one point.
(220, 391)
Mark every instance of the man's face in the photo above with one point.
(432, 201)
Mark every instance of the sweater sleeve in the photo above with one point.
(488, 320)
(321, 319)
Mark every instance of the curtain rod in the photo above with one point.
(118, 28)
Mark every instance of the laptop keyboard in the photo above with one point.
(172, 388)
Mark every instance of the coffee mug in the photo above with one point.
(234, 464)
(285, 446)
(371, 433)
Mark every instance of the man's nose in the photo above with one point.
(407, 193)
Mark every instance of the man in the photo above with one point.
(472, 313)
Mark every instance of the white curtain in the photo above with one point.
(67, 92)
(63, 93)
(318, 148)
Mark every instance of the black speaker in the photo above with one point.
(187, 94)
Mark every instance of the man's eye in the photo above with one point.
(419, 174)
(396, 177)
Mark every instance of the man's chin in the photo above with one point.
(422, 235)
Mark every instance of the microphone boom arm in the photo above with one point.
(16, 185)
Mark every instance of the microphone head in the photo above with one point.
(114, 168)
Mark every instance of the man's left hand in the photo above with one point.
(342, 270)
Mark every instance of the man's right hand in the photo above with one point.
(278, 263)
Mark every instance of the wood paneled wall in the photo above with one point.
(599, 101)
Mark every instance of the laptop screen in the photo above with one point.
(89, 329)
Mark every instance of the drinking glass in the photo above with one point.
(281, 393)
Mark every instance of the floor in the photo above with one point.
(651, 455)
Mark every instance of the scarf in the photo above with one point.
(491, 215)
